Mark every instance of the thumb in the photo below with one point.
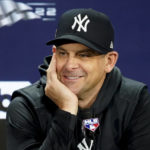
(51, 71)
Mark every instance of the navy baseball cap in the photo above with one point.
(86, 26)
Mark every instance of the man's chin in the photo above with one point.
(76, 91)
(74, 87)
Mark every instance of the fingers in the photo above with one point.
(52, 65)
(51, 71)
(54, 49)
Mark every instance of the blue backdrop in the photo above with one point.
(26, 25)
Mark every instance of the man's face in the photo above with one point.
(82, 70)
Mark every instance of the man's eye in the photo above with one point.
(85, 55)
(62, 53)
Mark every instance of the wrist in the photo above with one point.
(71, 108)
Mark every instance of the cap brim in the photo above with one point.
(78, 40)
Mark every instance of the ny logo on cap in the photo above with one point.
(82, 23)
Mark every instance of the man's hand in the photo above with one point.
(61, 95)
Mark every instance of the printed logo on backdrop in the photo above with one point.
(12, 12)
(6, 90)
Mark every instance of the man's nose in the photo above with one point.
(72, 63)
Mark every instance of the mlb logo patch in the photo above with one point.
(92, 124)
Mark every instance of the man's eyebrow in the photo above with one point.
(60, 48)
(88, 50)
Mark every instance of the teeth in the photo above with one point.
(72, 78)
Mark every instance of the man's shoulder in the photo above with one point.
(131, 82)
(131, 89)
(33, 93)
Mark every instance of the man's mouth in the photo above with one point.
(72, 77)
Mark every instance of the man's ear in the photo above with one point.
(111, 60)
(54, 49)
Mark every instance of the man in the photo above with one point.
(81, 102)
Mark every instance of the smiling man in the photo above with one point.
(82, 101)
